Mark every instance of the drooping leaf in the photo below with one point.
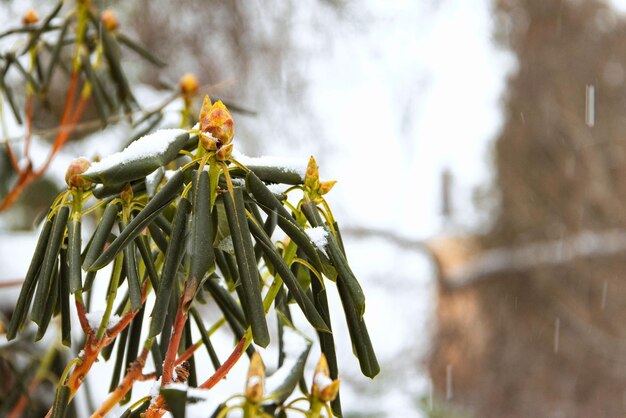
(30, 281)
(49, 263)
(248, 271)
(173, 258)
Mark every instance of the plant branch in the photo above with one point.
(134, 374)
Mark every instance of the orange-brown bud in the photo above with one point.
(73, 176)
(223, 153)
(30, 17)
(256, 380)
(109, 20)
(207, 142)
(324, 388)
(217, 121)
(326, 186)
(312, 176)
(189, 85)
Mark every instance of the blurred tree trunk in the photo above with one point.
(547, 340)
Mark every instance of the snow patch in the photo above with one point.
(227, 245)
(95, 319)
(287, 165)
(278, 188)
(322, 382)
(319, 237)
(147, 146)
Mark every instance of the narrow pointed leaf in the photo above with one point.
(61, 400)
(269, 204)
(246, 263)
(119, 360)
(337, 257)
(49, 264)
(288, 278)
(101, 234)
(358, 334)
(30, 281)
(50, 303)
(160, 201)
(64, 299)
(55, 54)
(144, 250)
(134, 339)
(132, 275)
(141, 51)
(73, 255)
(202, 253)
(206, 339)
(173, 258)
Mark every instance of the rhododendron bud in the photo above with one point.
(189, 85)
(216, 120)
(73, 176)
(109, 20)
(256, 380)
(223, 153)
(324, 388)
(30, 17)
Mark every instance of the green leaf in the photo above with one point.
(176, 400)
(269, 204)
(298, 293)
(61, 400)
(134, 339)
(64, 299)
(327, 340)
(30, 281)
(49, 263)
(248, 272)
(359, 335)
(73, 255)
(337, 257)
(144, 250)
(173, 258)
(206, 339)
(160, 201)
(132, 275)
(202, 253)
(119, 359)
(101, 235)
(49, 304)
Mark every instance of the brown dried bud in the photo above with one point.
(223, 153)
(182, 372)
(30, 17)
(189, 85)
(216, 120)
(324, 388)
(127, 194)
(109, 20)
(73, 176)
(256, 380)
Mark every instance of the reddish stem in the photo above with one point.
(225, 368)
(172, 349)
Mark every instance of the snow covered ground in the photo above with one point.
(405, 90)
